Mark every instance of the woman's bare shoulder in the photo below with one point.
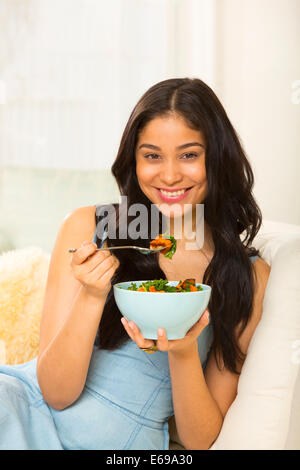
(83, 216)
(62, 287)
(262, 272)
(81, 212)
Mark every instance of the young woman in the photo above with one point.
(94, 385)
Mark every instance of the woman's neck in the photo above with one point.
(192, 236)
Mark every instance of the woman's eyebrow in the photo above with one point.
(183, 146)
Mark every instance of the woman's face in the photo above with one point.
(170, 165)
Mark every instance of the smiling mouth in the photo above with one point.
(176, 193)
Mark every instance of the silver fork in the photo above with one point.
(144, 251)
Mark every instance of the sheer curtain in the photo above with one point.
(72, 70)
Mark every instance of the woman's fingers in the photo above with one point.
(101, 267)
(162, 340)
(162, 343)
(135, 334)
(81, 254)
(94, 269)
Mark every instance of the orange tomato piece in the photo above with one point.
(160, 242)
(186, 283)
(152, 289)
(193, 288)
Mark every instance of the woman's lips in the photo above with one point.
(178, 198)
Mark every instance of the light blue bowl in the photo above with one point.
(176, 312)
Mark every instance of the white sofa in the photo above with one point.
(266, 411)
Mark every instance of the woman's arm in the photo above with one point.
(201, 401)
(197, 415)
(72, 309)
(62, 367)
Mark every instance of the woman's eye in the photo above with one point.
(190, 156)
(186, 156)
(152, 156)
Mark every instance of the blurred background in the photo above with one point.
(71, 72)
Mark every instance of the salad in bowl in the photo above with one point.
(176, 311)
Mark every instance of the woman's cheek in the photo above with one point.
(145, 174)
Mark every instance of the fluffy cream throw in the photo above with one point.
(23, 277)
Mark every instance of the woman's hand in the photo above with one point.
(162, 343)
(94, 269)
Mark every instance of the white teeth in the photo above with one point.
(173, 194)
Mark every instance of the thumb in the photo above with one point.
(203, 321)
(205, 318)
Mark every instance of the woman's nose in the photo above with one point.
(170, 173)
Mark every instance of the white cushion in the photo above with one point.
(266, 411)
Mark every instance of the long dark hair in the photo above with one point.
(230, 211)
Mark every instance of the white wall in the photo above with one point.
(71, 72)
(258, 64)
